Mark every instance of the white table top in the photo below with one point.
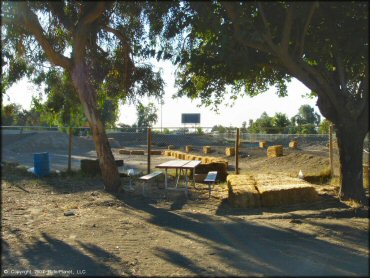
(185, 164)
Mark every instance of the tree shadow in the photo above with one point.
(326, 206)
(251, 248)
(49, 253)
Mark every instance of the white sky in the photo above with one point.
(244, 109)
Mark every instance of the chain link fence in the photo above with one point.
(19, 143)
(131, 144)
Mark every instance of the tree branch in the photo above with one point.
(308, 21)
(83, 27)
(287, 29)
(234, 14)
(340, 68)
(267, 35)
(117, 33)
(94, 13)
(28, 21)
(57, 8)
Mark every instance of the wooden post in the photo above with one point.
(331, 150)
(149, 147)
(70, 149)
(237, 151)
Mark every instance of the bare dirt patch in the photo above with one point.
(128, 234)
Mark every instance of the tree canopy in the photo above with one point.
(245, 47)
(100, 48)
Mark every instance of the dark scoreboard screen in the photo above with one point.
(193, 118)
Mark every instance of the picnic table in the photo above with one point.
(182, 167)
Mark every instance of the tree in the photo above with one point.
(218, 128)
(306, 120)
(14, 115)
(146, 115)
(307, 115)
(99, 45)
(324, 127)
(253, 45)
(280, 121)
(244, 127)
(264, 124)
(62, 107)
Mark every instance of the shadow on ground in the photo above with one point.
(250, 248)
(49, 253)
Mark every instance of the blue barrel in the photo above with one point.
(41, 164)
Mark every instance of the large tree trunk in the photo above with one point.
(87, 97)
(350, 144)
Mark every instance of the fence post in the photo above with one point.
(70, 149)
(149, 147)
(237, 138)
(331, 150)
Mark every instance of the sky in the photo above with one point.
(244, 109)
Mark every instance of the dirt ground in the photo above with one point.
(128, 234)
(67, 225)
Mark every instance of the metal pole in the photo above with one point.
(161, 115)
(237, 151)
(331, 150)
(70, 149)
(149, 147)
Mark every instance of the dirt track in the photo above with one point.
(128, 234)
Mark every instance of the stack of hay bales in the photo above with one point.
(207, 149)
(167, 153)
(262, 144)
(137, 152)
(293, 144)
(242, 191)
(155, 152)
(230, 151)
(268, 191)
(123, 151)
(276, 191)
(275, 151)
(188, 148)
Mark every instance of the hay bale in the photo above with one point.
(123, 151)
(275, 151)
(171, 147)
(198, 157)
(230, 151)
(155, 152)
(293, 144)
(242, 192)
(167, 153)
(205, 160)
(286, 194)
(137, 152)
(262, 144)
(213, 166)
(207, 149)
(188, 148)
